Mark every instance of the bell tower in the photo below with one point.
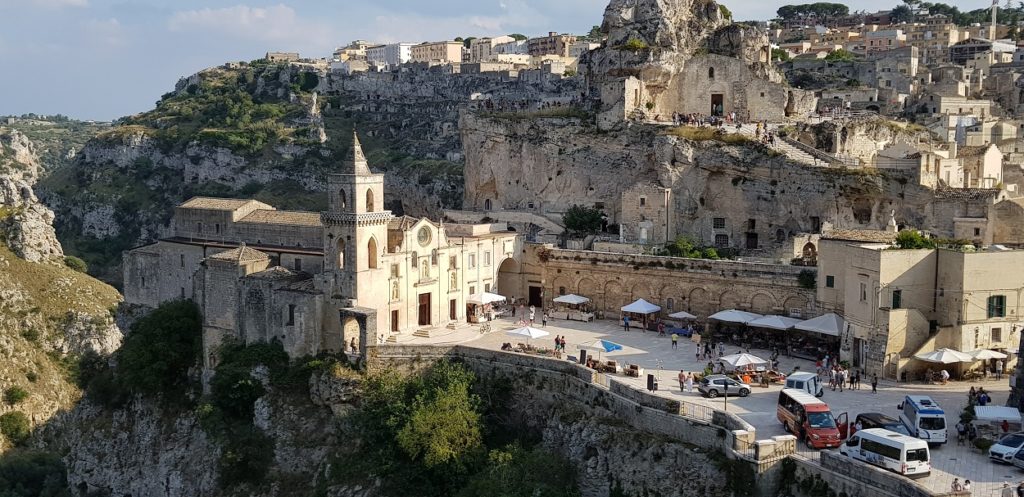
(355, 230)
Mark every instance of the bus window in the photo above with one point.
(917, 455)
(933, 423)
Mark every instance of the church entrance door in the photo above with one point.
(716, 104)
(424, 309)
(452, 307)
(536, 297)
(394, 321)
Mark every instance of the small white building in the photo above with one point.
(389, 56)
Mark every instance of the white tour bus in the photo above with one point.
(896, 452)
(924, 418)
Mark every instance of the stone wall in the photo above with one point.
(845, 476)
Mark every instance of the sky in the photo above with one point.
(103, 59)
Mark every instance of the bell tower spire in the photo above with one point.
(357, 163)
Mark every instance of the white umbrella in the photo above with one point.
(682, 315)
(985, 354)
(485, 298)
(734, 316)
(944, 356)
(600, 346)
(572, 299)
(774, 322)
(641, 306)
(528, 332)
(743, 359)
(826, 324)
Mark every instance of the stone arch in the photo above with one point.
(697, 302)
(641, 290)
(561, 285)
(729, 299)
(341, 252)
(675, 294)
(342, 201)
(510, 279)
(350, 330)
(588, 288)
(369, 200)
(795, 302)
(762, 303)
(810, 254)
(371, 253)
(614, 296)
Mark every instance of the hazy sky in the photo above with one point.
(101, 59)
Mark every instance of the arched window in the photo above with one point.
(341, 199)
(371, 255)
(670, 303)
(369, 200)
(487, 204)
(711, 73)
(341, 253)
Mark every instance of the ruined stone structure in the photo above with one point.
(317, 281)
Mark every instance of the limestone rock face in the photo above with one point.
(26, 225)
(670, 24)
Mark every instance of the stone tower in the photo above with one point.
(355, 230)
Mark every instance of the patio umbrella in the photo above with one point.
(528, 332)
(682, 315)
(641, 306)
(826, 324)
(600, 346)
(743, 359)
(734, 316)
(485, 298)
(774, 322)
(985, 354)
(944, 356)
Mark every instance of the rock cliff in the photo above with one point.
(26, 225)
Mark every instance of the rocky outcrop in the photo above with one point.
(26, 225)
(861, 138)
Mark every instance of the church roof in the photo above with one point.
(219, 204)
(874, 236)
(241, 254)
(279, 273)
(402, 223)
(357, 163)
(292, 218)
(972, 151)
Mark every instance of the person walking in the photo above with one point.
(842, 379)
(699, 355)
(874, 383)
(682, 380)
(689, 383)
(544, 319)
(721, 349)
(961, 432)
(675, 341)
(661, 328)
(1006, 491)
(625, 322)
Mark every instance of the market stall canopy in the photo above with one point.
(682, 315)
(740, 360)
(641, 306)
(572, 299)
(528, 332)
(996, 414)
(985, 354)
(600, 346)
(826, 324)
(484, 298)
(945, 356)
(734, 316)
(774, 322)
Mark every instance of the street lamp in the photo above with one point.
(725, 394)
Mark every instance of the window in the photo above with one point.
(670, 303)
(291, 314)
(718, 223)
(487, 258)
(199, 227)
(369, 200)
(371, 253)
(815, 224)
(977, 231)
(216, 228)
(561, 290)
(415, 260)
(529, 205)
(433, 257)
(863, 292)
(996, 334)
(830, 281)
(643, 201)
(751, 241)
(711, 73)
(341, 199)
(721, 240)
(897, 299)
(487, 287)
(472, 261)
(472, 289)
(394, 270)
(751, 224)
(298, 264)
(997, 306)
(487, 204)
(182, 292)
(143, 282)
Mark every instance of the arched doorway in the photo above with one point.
(349, 331)
(369, 200)
(371, 253)
(341, 199)
(341, 253)
(810, 255)
(510, 279)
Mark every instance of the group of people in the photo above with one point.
(702, 120)
(761, 133)
(560, 343)
(978, 397)
(686, 381)
(708, 351)
(842, 378)
(961, 487)
(527, 317)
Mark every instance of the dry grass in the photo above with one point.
(56, 289)
(703, 133)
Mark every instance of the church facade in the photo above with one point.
(317, 281)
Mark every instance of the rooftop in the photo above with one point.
(292, 218)
(966, 193)
(220, 204)
(874, 236)
(240, 254)
(280, 273)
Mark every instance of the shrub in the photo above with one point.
(582, 221)
(246, 457)
(808, 279)
(15, 395)
(33, 473)
(913, 239)
(75, 263)
(983, 444)
(635, 45)
(15, 426)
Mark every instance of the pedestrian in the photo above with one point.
(513, 307)
(1000, 369)
(352, 345)
(842, 379)
(682, 380)
(858, 426)
(1005, 426)
(533, 314)
(967, 485)
(563, 343)
(874, 383)
(661, 329)
(625, 322)
(721, 349)
(699, 350)
(558, 342)
(675, 341)
(689, 382)
(1020, 489)
(956, 486)
(544, 319)
(972, 433)
(1006, 490)
(961, 432)
(856, 380)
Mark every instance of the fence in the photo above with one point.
(697, 412)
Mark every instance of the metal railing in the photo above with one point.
(698, 412)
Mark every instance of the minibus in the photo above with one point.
(808, 382)
(810, 419)
(896, 452)
(923, 418)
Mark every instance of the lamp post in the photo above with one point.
(725, 394)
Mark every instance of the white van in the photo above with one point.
(808, 382)
(924, 418)
(896, 452)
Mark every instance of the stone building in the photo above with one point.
(317, 281)
(646, 214)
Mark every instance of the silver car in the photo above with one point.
(714, 385)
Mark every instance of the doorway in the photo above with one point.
(394, 321)
(451, 310)
(424, 309)
(536, 299)
(717, 109)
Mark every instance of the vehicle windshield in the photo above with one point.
(1012, 441)
(917, 455)
(932, 423)
(820, 420)
(897, 427)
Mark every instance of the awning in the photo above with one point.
(740, 360)
(996, 413)
(944, 356)
(571, 299)
(826, 324)
(774, 322)
(641, 306)
(734, 316)
(682, 315)
(484, 298)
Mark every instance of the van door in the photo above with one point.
(843, 423)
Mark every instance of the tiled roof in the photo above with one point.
(965, 193)
(291, 218)
(973, 151)
(220, 204)
(875, 236)
(279, 273)
(240, 254)
(402, 223)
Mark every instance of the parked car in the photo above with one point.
(879, 420)
(714, 385)
(1006, 447)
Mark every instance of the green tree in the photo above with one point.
(15, 427)
(444, 427)
(466, 42)
(913, 239)
(808, 279)
(780, 55)
(514, 471)
(75, 263)
(33, 473)
(161, 347)
(635, 45)
(581, 220)
(840, 55)
(901, 13)
(15, 395)
(726, 13)
(595, 34)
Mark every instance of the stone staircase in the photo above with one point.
(780, 146)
